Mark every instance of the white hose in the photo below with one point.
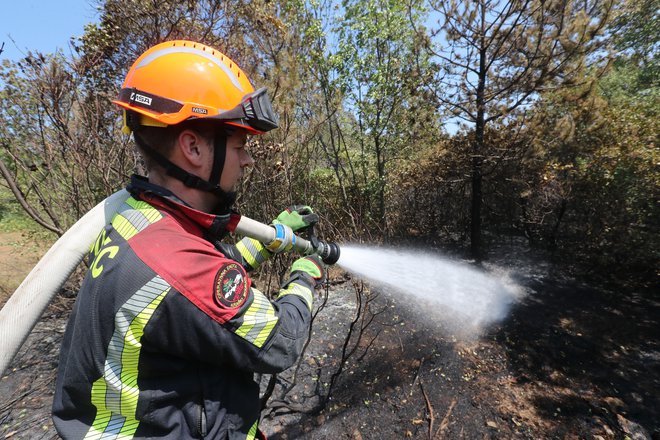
(265, 234)
(24, 308)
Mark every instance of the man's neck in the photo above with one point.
(199, 200)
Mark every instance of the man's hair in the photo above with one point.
(163, 139)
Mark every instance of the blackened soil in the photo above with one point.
(569, 362)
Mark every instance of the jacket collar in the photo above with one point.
(215, 225)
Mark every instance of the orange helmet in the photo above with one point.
(181, 80)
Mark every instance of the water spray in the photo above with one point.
(439, 291)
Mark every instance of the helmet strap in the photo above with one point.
(219, 155)
(226, 199)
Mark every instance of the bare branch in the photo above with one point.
(20, 197)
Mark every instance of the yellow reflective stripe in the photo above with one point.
(102, 416)
(128, 430)
(133, 217)
(253, 251)
(299, 290)
(267, 328)
(100, 422)
(116, 393)
(109, 425)
(245, 253)
(261, 248)
(252, 433)
(151, 213)
(123, 227)
(258, 320)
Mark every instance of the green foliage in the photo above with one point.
(597, 173)
(631, 85)
(55, 143)
(636, 28)
(497, 55)
(430, 194)
(380, 71)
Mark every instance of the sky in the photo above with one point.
(43, 25)
(48, 25)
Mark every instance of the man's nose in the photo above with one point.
(246, 159)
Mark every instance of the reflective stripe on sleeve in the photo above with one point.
(252, 433)
(253, 252)
(299, 290)
(258, 320)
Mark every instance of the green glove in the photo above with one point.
(297, 217)
(310, 265)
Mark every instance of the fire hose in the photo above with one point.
(24, 308)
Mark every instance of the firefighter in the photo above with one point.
(168, 328)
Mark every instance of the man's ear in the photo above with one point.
(192, 147)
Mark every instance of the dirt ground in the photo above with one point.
(18, 254)
(569, 362)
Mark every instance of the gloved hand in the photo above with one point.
(312, 266)
(297, 217)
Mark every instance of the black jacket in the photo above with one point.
(167, 331)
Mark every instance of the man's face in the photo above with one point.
(236, 159)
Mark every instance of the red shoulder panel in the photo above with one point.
(194, 267)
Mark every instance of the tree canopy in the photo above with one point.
(558, 102)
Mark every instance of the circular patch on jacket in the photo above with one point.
(231, 287)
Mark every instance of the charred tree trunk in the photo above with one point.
(477, 150)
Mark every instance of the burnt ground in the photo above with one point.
(570, 361)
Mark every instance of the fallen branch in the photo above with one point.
(445, 420)
(429, 409)
(412, 385)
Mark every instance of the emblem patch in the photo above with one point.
(231, 287)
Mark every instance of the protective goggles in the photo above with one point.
(255, 110)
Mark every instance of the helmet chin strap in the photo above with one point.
(225, 199)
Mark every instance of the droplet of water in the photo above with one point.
(461, 297)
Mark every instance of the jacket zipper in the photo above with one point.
(201, 421)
